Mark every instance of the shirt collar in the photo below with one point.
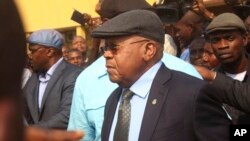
(142, 86)
(51, 70)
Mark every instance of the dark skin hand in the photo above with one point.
(199, 8)
(37, 134)
(206, 74)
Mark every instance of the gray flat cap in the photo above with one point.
(47, 37)
(226, 21)
(135, 22)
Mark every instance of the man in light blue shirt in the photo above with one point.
(93, 88)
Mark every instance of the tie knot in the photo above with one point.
(44, 78)
(127, 94)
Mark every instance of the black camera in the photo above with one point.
(172, 10)
(167, 14)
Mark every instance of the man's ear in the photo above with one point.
(192, 27)
(150, 51)
(245, 39)
(51, 52)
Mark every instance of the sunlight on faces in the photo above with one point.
(125, 58)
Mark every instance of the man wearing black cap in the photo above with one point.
(92, 94)
(151, 101)
(228, 37)
(48, 93)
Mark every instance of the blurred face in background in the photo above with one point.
(209, 59)
(183, 34)
(65, 51)
(247, 23)
(75, 57)
(80, 44)
(196, 51)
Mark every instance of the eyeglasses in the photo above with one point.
(113, 47)
(32, 50)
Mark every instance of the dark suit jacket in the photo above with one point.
(231, 92)
(57, 98)
(172, 118)
(238, 116)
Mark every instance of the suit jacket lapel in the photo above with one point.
(111, 111)
(33, 101)
(55, 76)
(157, 97)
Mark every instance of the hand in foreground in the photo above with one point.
(206, 74)
(37, 134)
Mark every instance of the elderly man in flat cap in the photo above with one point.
(152, 101)
(228, 37)
(48, 93)
(92, 94)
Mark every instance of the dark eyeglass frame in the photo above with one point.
(32, 51)
(113, 47)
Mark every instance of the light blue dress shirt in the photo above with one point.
(138, 102)
(93, 88)
(185, 55)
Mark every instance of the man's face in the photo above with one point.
(247, 23)
(228, 46)
(124, 59)
(183, 33)
(196, 52)
(209, 59)
(38, 57)
(75, 58)
(80, 44)
(65, 51)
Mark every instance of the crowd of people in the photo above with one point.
(143, 80)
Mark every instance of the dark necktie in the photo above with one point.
(122, 125)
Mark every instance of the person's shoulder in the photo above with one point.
(71, 66)
(181, 84)
(174, 63)
(186, 80)
(95, 70)
(71, 70)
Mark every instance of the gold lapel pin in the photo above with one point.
(154, 101)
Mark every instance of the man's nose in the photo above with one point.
(205, 57)
(108, 54)
(223, 44)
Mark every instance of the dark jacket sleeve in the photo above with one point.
(231, 92)
(211, 122)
